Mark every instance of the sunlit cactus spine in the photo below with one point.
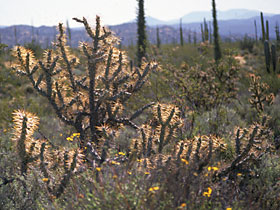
(25, 125)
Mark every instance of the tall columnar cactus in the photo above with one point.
(273, 57)
(141, 32)
(217, 49)
(158, 39)
(194, 37)
(277, 33)
(190, 37)
(181, 34)
(206, 30)
(202, 33)
(263, 29)
(256, 30)
(267, 30)
(210, 33)
(267, 56)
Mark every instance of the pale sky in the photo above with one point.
(51, 12)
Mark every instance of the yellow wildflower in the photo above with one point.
(45, 179)
(129, 172)
(76, 134)
(213, 168)
(185, 161)
(208, 194)
(152, 189)
(98, 168)
(69, 139)
(147, 173)
(121, 153)
(115, 163)
(239, 174)
(228, 208)
(183, 205)
(115, 176)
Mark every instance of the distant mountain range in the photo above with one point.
(233, 14)
(233, 24)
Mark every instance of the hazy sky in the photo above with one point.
(50, 12)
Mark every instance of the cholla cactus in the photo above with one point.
(251, 145)
(156, 135)
(25, 125)
(260, 94)
(87, 94)
(39, 153)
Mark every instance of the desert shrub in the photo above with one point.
(247, 43)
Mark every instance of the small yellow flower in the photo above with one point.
(98, 169)
(129, 172)
(115, 176)
(185, 161)
(76, 134)
(228, 208)
(115, 163)
(60, 134)
(183, 205)
(208, 194)
(147, 173)
(213, 168)
(239, 174)
(139, 160)
(69, 139)
(45, 179)
(121, 153)
(152, 189)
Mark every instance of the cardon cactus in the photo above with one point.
(267, 56)
(273, 57)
